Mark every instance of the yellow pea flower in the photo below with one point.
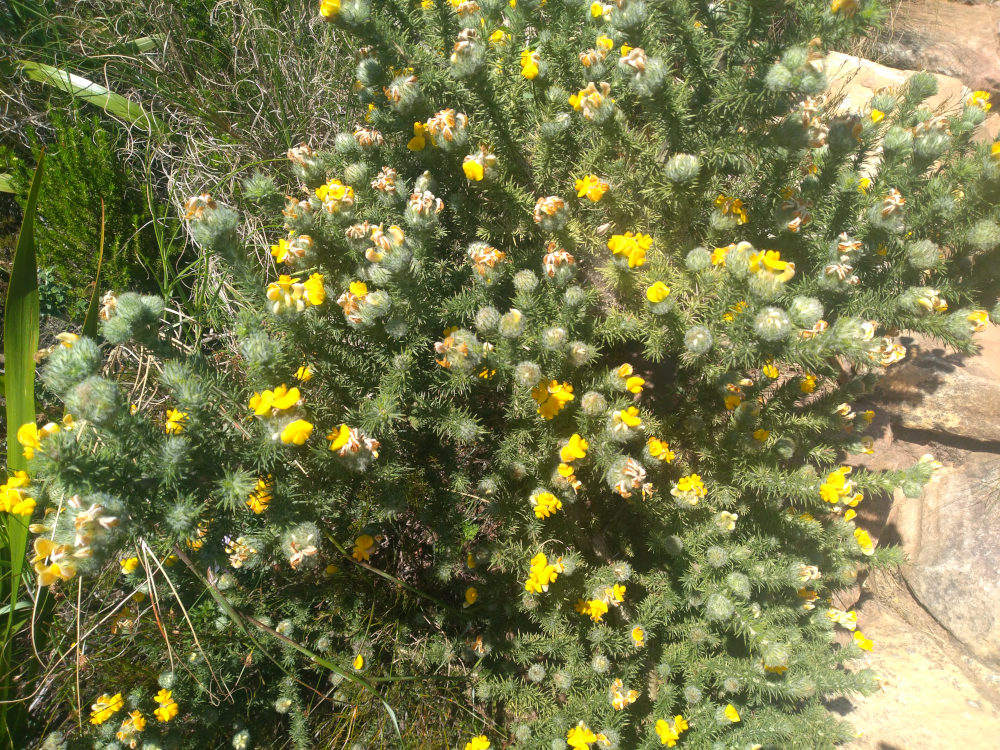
(296, 432)
(657, 292)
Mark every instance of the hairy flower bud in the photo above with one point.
(697, 340)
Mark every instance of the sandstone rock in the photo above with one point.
(929, 695)
(950, 535)
(946, 37)
(947, 393)
(855, 80)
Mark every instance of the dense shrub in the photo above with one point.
(535, 429)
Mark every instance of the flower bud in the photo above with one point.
(697, 340)
(772, 324)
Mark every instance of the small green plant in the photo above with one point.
(533, 432)
(86, 166)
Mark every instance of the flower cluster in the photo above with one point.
(542, 573)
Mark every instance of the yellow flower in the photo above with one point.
(634, 384)
(339, 438)
(260, 497)
(271, 402)
(660, 449)
(638, 636)
(761, 435)
(129, 564)
(30, 436)
(616, 592)
(296, 432)
(175, 422)
(499, 37)
(731, 713)
(837, 488)
(978, 319)
(542, 573)
(589, 101)
(304, 374)
(131, 726)
(729, 206)
(844, 7)
(719, 255)
(995, 151)
(865, 644)
(329, 8)
(471, 595)
(551, 396)
(478, 743)
(280, 251)
(529, 64)
(419, 140)
(168, 708)
(591, 186)
(315, 293)
(691, 483)
(105, 707)
(877, 115)
(770, 371)
(732, 401)
(594, 608)
(473, 169)
(580, 737)
(808, 384)
(335, 195)
(13, 497)
(66, 339)
(575, 449)
(979, 99)
(864, 541)
(363, 547)
(670, 732)
(657, 292)
(628, 417)
(620, 697)
(770, 264)
(545, 504)
(630, 246)
(863, 184)
(358, 663)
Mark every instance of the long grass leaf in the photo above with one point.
(90, 320)
(20, 342)
(6, 183)
(93, 93)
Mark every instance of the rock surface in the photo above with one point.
(951, 38)
(950, 535)
(931, 695)
(856, 80)
(947, 393)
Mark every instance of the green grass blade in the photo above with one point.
(93, 93)
(90, 320)
(6, 183)
(20, 342)
(147, 43)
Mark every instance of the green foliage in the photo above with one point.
(535, 427)
(86, 166)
